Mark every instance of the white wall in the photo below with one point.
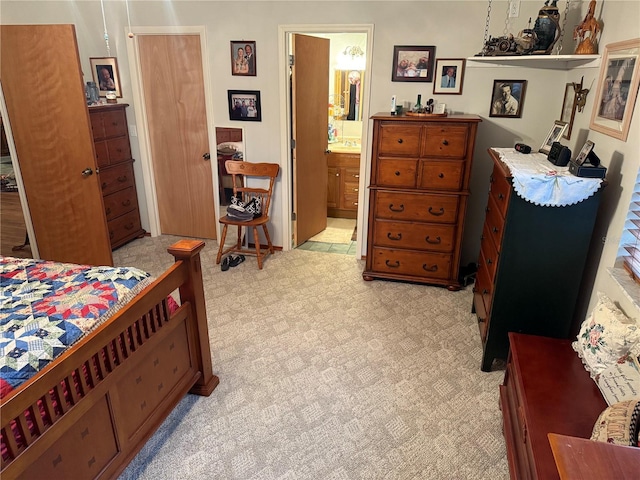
(456, 28)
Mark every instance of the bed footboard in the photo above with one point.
(88, 413)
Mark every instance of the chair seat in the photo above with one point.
(227, 220)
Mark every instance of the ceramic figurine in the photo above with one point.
(587, 32)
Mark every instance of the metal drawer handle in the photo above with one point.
(399, 209)
(437, 214)
(441, 175)
(108, 211)
(128, 226)
(437, 241)
(104, 185)
(396, 264)
(397, 173)
(432, 268)
(495, 229)
(400, 140)
(126, 203)
(444, 142)
(111, 235)
(396, 238)
(122, 178)
(485, 291)
(500, 196)
(489, 261)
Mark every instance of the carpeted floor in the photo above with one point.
(326, 376)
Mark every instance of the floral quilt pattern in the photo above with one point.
(45, 307)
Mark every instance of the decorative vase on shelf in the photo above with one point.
(547, 28)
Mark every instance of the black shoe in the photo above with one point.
(235, 261)
(225, 264)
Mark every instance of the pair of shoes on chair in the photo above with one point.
(231, 261)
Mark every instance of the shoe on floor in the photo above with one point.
(235, 261)
(225, 264)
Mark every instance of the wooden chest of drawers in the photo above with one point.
(530, 265)
(113, 155)
(418, 197)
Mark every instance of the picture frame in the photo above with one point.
(106, 75)
(449, 73)
(584, 152)
(412, 63)
(554, 135)
(507, 98)
(250, 99)
(245, 66)
(617, 89)
(568, 112)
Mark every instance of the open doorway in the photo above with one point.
(345, 129)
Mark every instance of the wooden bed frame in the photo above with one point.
(87, 414)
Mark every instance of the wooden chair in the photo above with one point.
(241, 172)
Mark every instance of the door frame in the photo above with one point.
(284, 47)
(141, 114)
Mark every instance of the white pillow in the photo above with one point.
(605, 337)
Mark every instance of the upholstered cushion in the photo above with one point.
(618, 424)
(605, 337)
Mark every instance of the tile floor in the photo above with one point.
(348, 248)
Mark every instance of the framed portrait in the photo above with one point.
(244, 105)
(105, 74)
(584, 152)
(554, 135)
(243, 58)
(507, 98)
(449, 75)
(568, 112)
(617, 89)
(412, 64)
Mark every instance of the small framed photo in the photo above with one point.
(554, 135)
(243, 58)
(412, 64)
(507, 98)
(617, 89)
(584, 152)
(568, 112)
(449, 76)
(244, 105)
(105, 74)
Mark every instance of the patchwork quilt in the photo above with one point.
(45, 307)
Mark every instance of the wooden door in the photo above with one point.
(173, 85)
(310, 94)
(44, 93)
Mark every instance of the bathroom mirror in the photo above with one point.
(229, 146)
(348, 90)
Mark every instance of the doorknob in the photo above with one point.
(86, 172)
(207, 156)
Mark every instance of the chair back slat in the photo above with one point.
(240, 170)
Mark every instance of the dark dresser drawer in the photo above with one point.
(417, 207)
(116, 178)
(119, 203)
(408, 262)
(423, 236)
(124, 227)
(494, 223)
(441, 174)
(500, 190)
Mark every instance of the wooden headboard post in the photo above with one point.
(188, 251)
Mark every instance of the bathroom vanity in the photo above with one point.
(343, 161)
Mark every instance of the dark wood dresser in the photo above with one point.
(418, 197)
(546, 390)
(113, 155)
(530, 265)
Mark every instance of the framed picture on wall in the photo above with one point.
(449, 76)
(568, 112)
(243, 58)
(244, 105)
(507, 98)
(412, 64)
(105, 74)
(617, 89)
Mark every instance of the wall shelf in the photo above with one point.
(554, 62)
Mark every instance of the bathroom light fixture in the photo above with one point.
(351, 58)
(353, 52)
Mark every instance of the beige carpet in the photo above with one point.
(339, 230)
(324, 376)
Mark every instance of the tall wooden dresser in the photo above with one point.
(419, 189)
(530, 265)
(113, 155)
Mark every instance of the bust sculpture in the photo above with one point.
(586, 32)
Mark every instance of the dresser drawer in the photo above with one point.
(416, 207)
(484, 289)
(415, 236)
(108, 124)
(120, 203)
(399, 140)
(445, 140)
(407, 262)
(102, 153)
(124, 227)
(441, 174)
(500, 190)
(116, 178)
(490, 253)
(393, 172)
(494, 223)
(119, 150)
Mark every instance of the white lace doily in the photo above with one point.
(540, 182)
